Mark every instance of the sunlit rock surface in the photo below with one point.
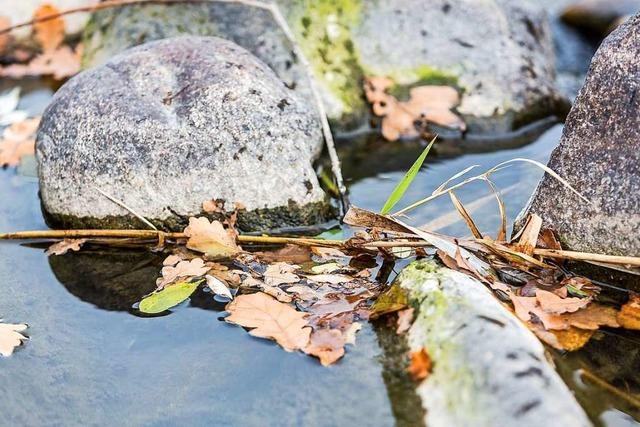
(168, 125)
(599, 154)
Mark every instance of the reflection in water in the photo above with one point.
(109, 279)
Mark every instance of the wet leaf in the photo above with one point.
(419, 365)
(270, 319)
(280, 273)
(303, 292)
(592, 317)
(334, 279)
(392, 300)
(64, 246)
(171, 260)
(49, 34)
(60, 63)
(290, 253)
(327, 253)
(327, 345)
(406, 181)
(551, 303)
(168, 297)
(570, 339)
(350, 333)
(526, 306)
(218, 287)
(629, 315)
(194, 268)
(275, 292)
(10, 337)
(327, 268)
(210, 238)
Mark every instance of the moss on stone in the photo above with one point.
(263, 220)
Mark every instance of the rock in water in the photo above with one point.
(170, 124)
(599, 154)
(497, 52)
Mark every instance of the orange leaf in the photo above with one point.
(327, 345)
(4, 38)
(49, 34)
(420, 365)
(629, 315)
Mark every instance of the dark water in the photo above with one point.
(92, 361)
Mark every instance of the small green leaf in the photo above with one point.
(406, 181)
(168, 297)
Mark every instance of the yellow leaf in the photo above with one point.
(210, 238)
(49, 34)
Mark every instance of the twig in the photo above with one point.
(584, 256)
(284, 26)
(122, 205)
(594, 379)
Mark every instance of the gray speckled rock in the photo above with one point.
(498, 52)
(167, 125)
(599, 154)
(488, 368)
(111, 31)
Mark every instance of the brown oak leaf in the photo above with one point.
(64, 246)
(210, 238)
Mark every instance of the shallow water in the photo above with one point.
(93, 361)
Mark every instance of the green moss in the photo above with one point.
(423, 75)
(324, 28)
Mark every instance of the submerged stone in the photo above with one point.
(170, 124)
(498, 53)
(599, 155)
(488, 368)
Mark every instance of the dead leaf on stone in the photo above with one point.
(420, 365)
(18, 141)
(11, 337)
(426, 104)
(49, 34)
(327, 345)
(551, 303)
(64, 246)
(405, 318)
(280, 273)
(547, 240)
(629, 315)
(214, 206)
(194, 268)
(218, 287)
(210, 238)
(270, 319)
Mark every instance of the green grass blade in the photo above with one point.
(406, 181)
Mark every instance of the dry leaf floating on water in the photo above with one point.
(11, 337)
(64, 246)
(210, 238)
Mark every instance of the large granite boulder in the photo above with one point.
(599, 154)
(497, 52)
(167, 125)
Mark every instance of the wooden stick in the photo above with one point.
(584, 256)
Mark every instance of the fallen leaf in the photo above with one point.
(525, 306)
(270, 319)
(213, 206)
(328, 253)
(326, 268)
(194, 268)
(551, 303)
(279, 273)
(295, 254)
(10, 337)
(592, 317)
(350, 333)
(419, 365)
(18, 141)
(60, 63)
(327, 345)
(334, 279)
(392, 300)
(547, 240)
(64, 246)
(210, 238)
(629, 315)
(426, 104)
(49, 34)
(570, 339)
(168, 297)
(303, 292)
(277, 293)
(5, 39)
(171, 260)
(218, 287)
(405, 318)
